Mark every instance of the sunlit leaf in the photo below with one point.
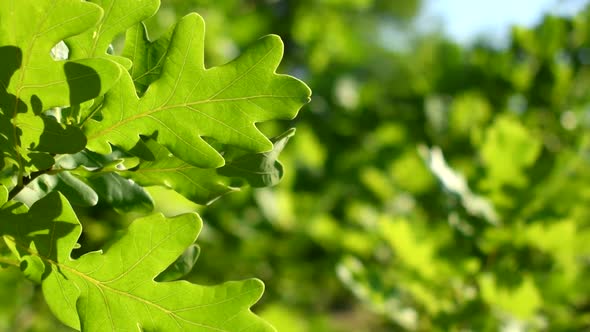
(115, 290)
(32, 82)
(189, 102)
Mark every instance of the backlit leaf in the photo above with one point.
(115, 290)
(189, 102)
(32, 82)
(118, 16)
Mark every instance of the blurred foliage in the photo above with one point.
(430, 186)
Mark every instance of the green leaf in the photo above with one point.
(522, 152)
(39, 77)
(30, 231)
(199, 185)
(3, 195)
(261, 169)
(120, 193)
(522, 301)
(77, 192)
(203, 186)
(86, 162)
(148, 57)
(32, 82)
(119, 15)
(33, 268)
(101, 173)
(508, 139)
(189, 102)
(182, 266)
(115, 290)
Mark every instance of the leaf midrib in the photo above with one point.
(183, 105)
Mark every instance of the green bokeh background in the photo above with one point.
(429, 187)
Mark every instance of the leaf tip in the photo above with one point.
(191, 220)
(193, 19)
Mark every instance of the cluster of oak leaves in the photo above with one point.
(98, 127)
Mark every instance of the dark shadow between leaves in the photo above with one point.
(45, 227)
(37, 105)
(53, 137)
(11, 59)
(84, 82)
(45, 230)
(141, 150)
